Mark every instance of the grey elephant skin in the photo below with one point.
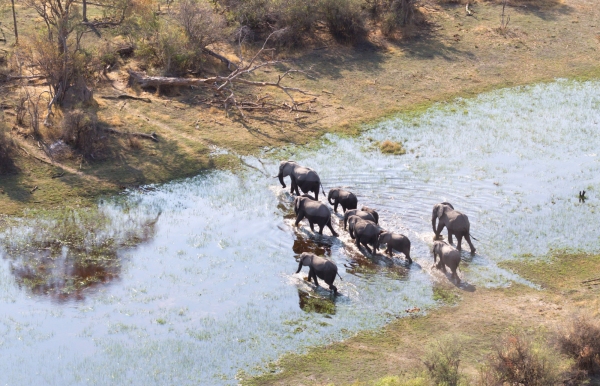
(449, 257)
(346, 199)
(315, 212)
(395, 241)
(456, 222)
(302, 177)
(355, 212)
(319, 267)
(364, 232)
(373, 213)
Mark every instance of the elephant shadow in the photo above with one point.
(313, 303)
(463, 285)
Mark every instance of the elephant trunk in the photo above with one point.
(433, 218)
(329, 196)
(280, 176)
(299, 266)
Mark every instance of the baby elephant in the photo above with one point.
(360, 213)
(395, 241)
(449, 257)
(323, 268)
(342, 197)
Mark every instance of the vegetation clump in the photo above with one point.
(391, 147)
(580, 340)
(442, 361)
(6, 148)
(80, 131)
(520, 360)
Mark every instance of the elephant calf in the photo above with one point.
(449, 257)
(395, 241)
(319, 267)
(315, 212)
(365, 232)
(342, 197)
(355, 212)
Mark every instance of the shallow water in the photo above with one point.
(193, 282)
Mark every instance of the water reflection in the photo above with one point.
(311, 302)
(77, 250)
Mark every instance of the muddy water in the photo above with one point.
(193, 282)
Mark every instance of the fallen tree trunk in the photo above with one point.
(125, 96)
(152, 136)
(223, 59)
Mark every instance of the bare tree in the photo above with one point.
(14, 13)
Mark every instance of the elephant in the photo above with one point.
(395, 241)
(449, 257)
(302, 177)
(319, 267)
(355, 212)
(456, 222)
(373, 213)
(315, 212)
(342, 197)
(365, 232)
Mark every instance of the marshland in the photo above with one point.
(165, 252)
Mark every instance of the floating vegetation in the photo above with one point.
(391, 147)
(314, 303)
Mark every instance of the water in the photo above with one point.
(193, 282)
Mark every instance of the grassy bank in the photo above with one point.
(456, 55)
(477, 321)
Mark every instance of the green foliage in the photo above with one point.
(445, 295)
(6, 149)
(442, 360)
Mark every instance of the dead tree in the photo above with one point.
(224, 86)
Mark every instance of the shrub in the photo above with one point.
(80, 131)
(580, 340)
(390, 147)
(345, 20)
(201, 24)
(297, 19)
(519, 360)
(6, 149)
(442, 360)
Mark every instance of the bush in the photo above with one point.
(345, 20)
(519, 360)
(442, 360)
(580, 340)
(390, 147)
(6, 149)
(201, 24)
(297, 19)
(80, 131)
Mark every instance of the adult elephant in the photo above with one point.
(302, 177)
(456, 222)
(395, 241)
(364, 232)
(315, 212)
(355, 212)
(319, 267)
(373, 213)
(449, 257)
(342, 197)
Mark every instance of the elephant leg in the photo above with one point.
(389, 251)
(439, 230)
(334, 233)
(459, 241)
(455, 276)
(468, 238)
(312, 228)
(314, 276)
(357, 241)
(351, 231)
(299, 217)
(320, 229)
(335, 205)
(407, 255)
(333, 288)
(450, 237)
(367, 247)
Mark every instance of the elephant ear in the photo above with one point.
(439, 210)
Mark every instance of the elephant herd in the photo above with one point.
(363, 225)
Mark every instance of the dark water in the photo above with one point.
(193, 282)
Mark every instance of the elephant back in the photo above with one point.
(316, 208)
(304, 174)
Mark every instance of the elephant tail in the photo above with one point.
(339, 276)
(473, 237)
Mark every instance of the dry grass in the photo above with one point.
(391, 147)
(580, 340)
